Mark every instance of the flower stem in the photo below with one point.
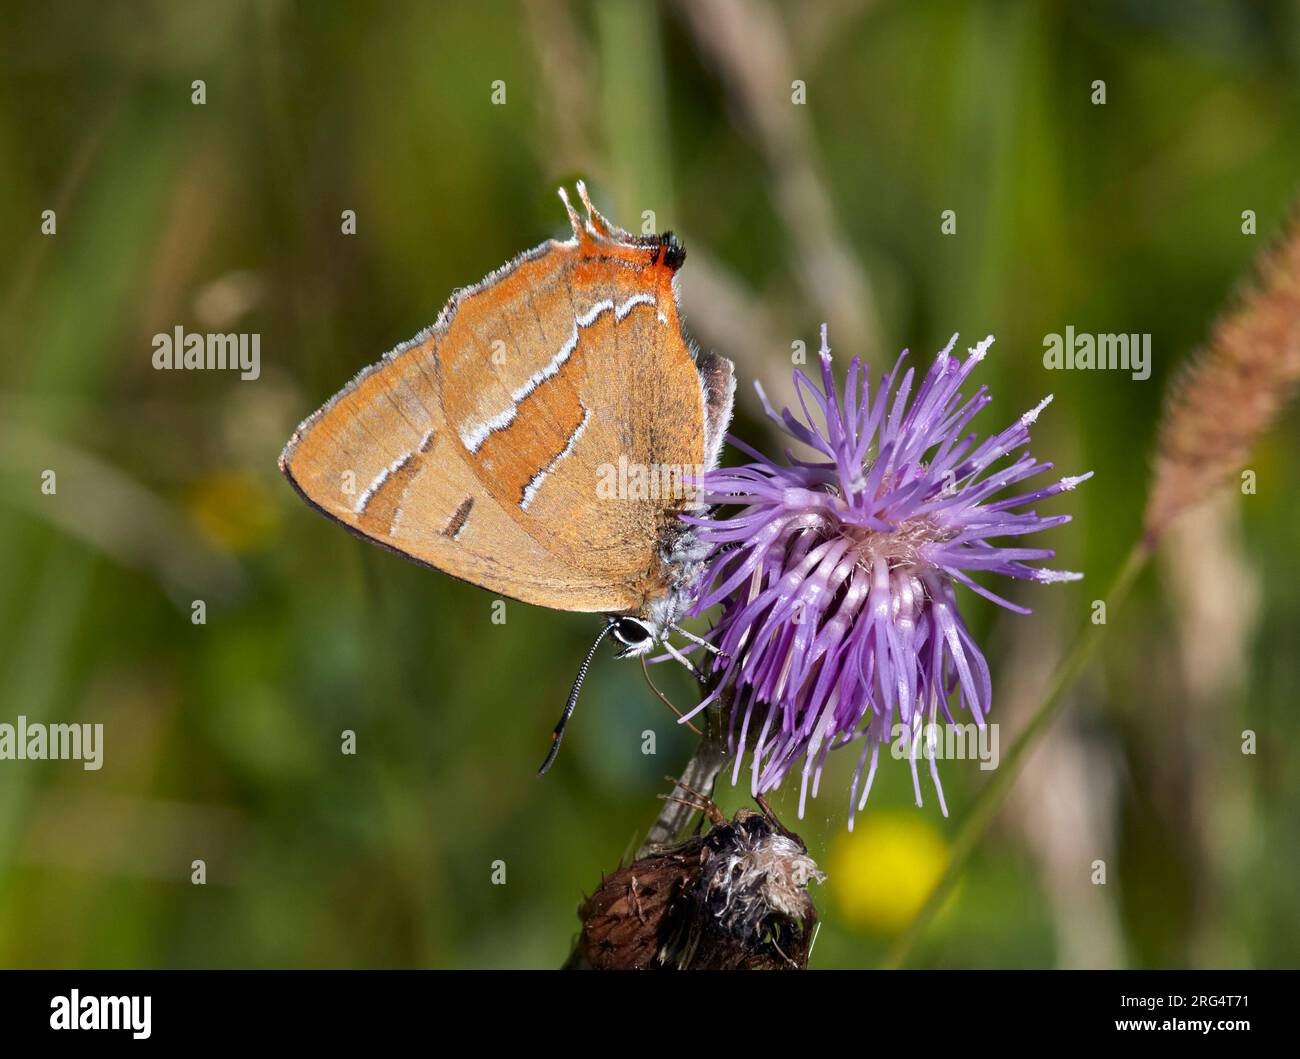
(698, 777)
(994, 793)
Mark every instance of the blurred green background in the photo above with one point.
(222, 740)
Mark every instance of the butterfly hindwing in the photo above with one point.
(487, 447)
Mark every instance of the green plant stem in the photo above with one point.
(990, 798)
(697, 778)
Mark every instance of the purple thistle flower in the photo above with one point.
(837, 577)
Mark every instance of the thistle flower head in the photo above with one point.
(837, 576)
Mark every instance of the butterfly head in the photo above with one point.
(639, 636)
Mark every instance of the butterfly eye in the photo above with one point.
(631, 632)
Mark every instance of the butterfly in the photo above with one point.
(541, 439)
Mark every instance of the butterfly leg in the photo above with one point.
(690, 666)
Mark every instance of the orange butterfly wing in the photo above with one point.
(486, 446)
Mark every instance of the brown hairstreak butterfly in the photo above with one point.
(492, 445)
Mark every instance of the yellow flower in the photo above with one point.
(233, 510)
(881, 873)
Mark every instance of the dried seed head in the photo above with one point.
(735, 898)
